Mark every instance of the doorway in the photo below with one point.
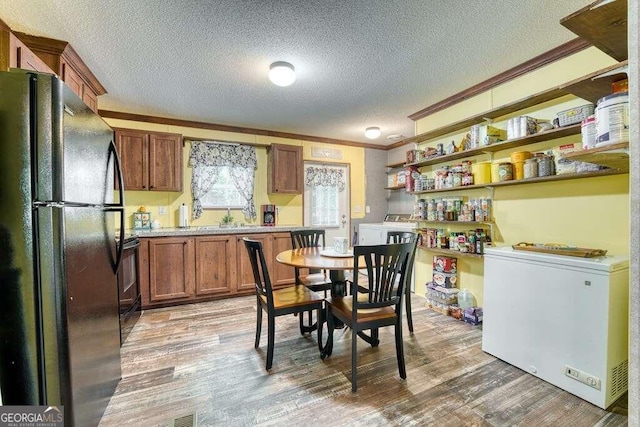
(327, 202)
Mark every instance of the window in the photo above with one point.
(223, 194)
(324, 207)
(223, 176)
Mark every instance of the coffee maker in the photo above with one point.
(269, 215)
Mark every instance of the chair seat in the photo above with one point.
(293, 296)
(315, 279)
(344, 306)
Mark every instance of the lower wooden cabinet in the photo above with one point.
(171, 269)
(215, 265)
(177, 270)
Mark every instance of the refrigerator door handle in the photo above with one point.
(120, 246)
(113, 152)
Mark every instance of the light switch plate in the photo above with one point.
(162, 210)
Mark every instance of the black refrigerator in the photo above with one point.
(59, 317)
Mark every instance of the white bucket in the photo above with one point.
(612, 119)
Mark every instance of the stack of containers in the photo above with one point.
(442, 292)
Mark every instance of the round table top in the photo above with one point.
(311, 258)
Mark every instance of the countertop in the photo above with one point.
(213, 229)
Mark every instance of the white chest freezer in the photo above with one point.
(563, 319)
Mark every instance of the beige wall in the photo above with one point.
(591, 212)
(290, 207)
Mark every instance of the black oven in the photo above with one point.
(129, 287)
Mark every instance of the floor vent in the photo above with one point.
(185, 421)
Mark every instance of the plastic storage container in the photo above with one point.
(466, 299)
(612, 119)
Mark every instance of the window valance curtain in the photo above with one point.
(207, 157)
(325, 176)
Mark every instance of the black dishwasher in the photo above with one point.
(129, 287)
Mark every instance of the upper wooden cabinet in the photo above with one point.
(284, 169)
(15, 54)
(60, 57)
(150, 160)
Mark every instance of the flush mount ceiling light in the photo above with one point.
(282, 73)
(372, 132)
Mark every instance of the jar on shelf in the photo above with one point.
(531, 168)
(545, 165)
(505, 172)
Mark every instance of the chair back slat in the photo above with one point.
(306, 239)
(383, 264)
(260, 271)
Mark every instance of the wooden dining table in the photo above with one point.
(313, 258)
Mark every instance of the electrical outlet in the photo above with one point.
(357, 209)
(367, 209)
(583, 377)
(162, 210)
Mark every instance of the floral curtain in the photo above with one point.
(206, 158)
(326, 177)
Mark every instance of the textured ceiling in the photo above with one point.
(358, 63)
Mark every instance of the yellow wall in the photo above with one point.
(290, 207)
(591, 212)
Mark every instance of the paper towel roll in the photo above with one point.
(183, 216)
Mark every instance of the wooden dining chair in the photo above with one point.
(294, 299)
(405, 237)
(317, 280)
(379, 306)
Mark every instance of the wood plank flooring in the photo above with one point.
(199, 359)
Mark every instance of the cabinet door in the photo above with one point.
(90, 98)
(281, 275)
(215, 265)
(245, 280)
(165, 162)
(285, 169)
(72, 79)
(20, 56)
(171, 267)
(132, 149)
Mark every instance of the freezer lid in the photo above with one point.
(607, 263)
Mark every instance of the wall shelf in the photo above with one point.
(450, 252)
(603, 24)
(594, 86)
(563, 177)
(399, 187)
(456, 222)
(613, 156)
(579, 87)
(512, 143)
(396, 165)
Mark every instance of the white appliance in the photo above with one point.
(376, 233)
(563, 319)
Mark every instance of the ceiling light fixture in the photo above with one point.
(282, 73)
(372, 132)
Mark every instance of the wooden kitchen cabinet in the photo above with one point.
(281, 275)
(246, 282)
(60, 57)
(150, 160)
(284, 169)
(15, 54)
(215, 269)
(179, 270)
(272, 244)
(171, 269)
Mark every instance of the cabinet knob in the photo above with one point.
(144, 186)
(151, 186)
